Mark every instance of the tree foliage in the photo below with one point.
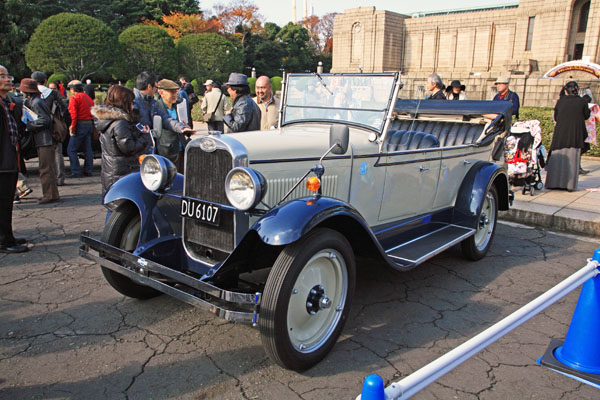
(295, 40)
(264, 55)
(208, 55)
(239, 16)
(179, 24)
(149, 48)
(74, 44)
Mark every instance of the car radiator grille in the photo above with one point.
(205, 180)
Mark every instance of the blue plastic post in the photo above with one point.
(373, 388)
(581, 349)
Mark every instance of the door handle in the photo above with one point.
(466, 162)
(423, 169)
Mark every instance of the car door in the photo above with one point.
(411, 183)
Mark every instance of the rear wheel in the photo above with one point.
(122, 230)
(476, 246)
(306, 299)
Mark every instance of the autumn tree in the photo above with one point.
(179, 24)
(75, 44)
(325, 29)
(239, 16)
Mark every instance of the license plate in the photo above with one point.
(201, 211)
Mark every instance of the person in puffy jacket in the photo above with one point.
(245, 114)
(122, 143)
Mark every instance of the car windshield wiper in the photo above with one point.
(323, 83)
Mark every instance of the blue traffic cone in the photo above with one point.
(373, 388)
(579, 355)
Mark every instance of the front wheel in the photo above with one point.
(122, 230)
(475, 247)
(307, 298)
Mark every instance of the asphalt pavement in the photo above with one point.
(66, 334)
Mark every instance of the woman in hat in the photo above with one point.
(456, 91)
(568, 140)
(121, 141)
(40, 125)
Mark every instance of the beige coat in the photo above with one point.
(269, 113)
(209, 102)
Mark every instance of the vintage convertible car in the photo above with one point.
(265, 226)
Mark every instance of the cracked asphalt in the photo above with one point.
(66, 334)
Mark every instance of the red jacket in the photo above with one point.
(79, 108)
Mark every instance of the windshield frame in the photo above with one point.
(385, 112)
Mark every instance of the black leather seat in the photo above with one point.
(448, 133)
(410, 140)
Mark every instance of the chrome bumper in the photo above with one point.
(232, 306)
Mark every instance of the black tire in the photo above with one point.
(285, 300)
(476, 246)
(122, 231)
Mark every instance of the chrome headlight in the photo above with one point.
(157, 172)
(245, 188)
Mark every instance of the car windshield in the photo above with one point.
(357, 99)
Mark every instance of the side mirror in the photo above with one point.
(339, 135)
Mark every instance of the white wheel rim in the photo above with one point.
(308, 332)
(485, 225)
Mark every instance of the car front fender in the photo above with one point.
(289, 222)
(154, 208)
(473, 189)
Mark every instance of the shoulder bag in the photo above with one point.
(208, 117)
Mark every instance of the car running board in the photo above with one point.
(418, 250)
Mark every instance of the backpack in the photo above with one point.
(60, 130)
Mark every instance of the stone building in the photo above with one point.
(523, 40)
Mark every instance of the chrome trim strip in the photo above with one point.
(152, 267)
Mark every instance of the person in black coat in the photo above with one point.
(568, 140)
(41, 127)
(122, 143)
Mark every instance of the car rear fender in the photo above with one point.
(473, 189)
(156, 210)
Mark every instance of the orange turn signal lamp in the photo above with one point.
(141, 157)
(313, 183)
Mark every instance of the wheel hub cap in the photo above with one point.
(317, 300)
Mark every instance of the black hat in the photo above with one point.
(39, 77)
(455, 84)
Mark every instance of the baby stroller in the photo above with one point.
(525, 156)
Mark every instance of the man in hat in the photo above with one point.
(268, 104)
(57, 107)
(504, 94)
(81, 130)
(144, 105)
(244, 114)
(40, 125)
(172, 144)
(9, 137)
(214, 102)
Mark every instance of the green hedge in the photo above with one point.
(544, 115)
(58, 76)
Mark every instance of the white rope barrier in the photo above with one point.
(421, 378)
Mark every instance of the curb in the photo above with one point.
(553, 222)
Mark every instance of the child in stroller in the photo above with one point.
(525, 156)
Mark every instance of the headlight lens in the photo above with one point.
(157, 172)
(245, 188)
